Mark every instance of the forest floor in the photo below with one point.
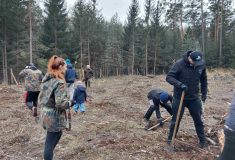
(111, 128)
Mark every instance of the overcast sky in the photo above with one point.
(110, 7)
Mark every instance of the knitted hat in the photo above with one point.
(164, 97)
(67, 61)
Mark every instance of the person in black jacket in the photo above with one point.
(229, 132)
(157, 97)
(185, 75)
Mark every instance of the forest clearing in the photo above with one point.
(111, 127)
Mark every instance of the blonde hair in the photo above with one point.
(53, 67)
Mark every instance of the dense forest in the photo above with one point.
(142, 45)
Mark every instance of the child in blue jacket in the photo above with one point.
(79, 97)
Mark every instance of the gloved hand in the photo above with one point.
(203, 98)
(184, 87)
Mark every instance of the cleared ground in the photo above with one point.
(111, 127)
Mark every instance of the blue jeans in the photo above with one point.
(52, 139)
(81, 107)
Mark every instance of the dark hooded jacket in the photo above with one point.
(182, 72)
(70, 74)
(155, 95)
(79, 95)
(88, 74)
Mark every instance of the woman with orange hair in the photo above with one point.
(54, 101)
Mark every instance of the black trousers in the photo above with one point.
(229, 146)
(156, 108)
(88, 83)
(195, 110)
(32, 97)
(52, 139)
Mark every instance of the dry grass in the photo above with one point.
(111, 127)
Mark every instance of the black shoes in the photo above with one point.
(203, 145)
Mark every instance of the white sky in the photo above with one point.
(110, 7)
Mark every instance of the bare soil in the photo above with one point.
(111, 128)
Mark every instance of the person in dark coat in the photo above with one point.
(70, 78)
(185, 75)
(157, 97)
(229, 132)
(70, 74)
(88, 73)
(79, 97)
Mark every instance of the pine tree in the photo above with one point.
(55, 28)
(129, 35)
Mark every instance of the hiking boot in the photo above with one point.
(160, 122)
(203, 145)
(34, 111)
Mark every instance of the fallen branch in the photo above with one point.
(211, 141)
(221, 138)
(159, 123)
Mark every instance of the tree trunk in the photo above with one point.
(146, 56)
(55, 36)
(181, 23)
(221, 34)
(203, 28)
(133, 51)
(30, 32)
(80, 33)
(5, 56)
(5, 62)
(155, 61)
(88, 45)
(3, 65)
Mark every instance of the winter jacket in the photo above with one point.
(88, 74)
(79, 95)
(183, 72)
(230, 120)
(70, 74)
(155, 96)
(33, 78)
(53, 100)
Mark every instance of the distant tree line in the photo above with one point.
(143, 45)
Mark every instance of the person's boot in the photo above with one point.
(34, 111)
(203, 145)
(146, 123)
(160, 121)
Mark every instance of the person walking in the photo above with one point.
(70, 78)
(88, 73)
(54, 101)
(185, 75)
(79, 98)
(33, 78)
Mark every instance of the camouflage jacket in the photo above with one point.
(33, 79)
(53, 100)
